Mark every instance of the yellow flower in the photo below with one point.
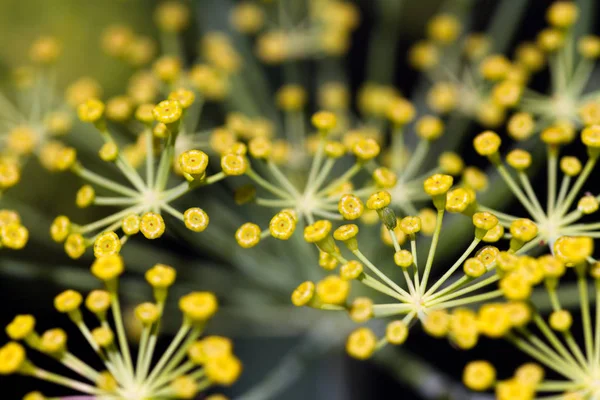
(34, 396)
(144, 113)
(167, 111)
(351, 270)
(451, 163)
(65, 159)
(53, 341)
(400, 111)
(410, 225)
(147, 313)
(75, 245)
(403, 258)
(10, 174)
(260, 147)
(474, 268)
(523, 229)
(514, 390)
(530, 374)
(345, 232)
(333, 290)
(248, 235)
(22, 140)
(317, 232)
(457, 200)
(103, 336)
(396, 332)
(438, 184)
(119, 109)
(152, 225)
(514, 287)
(108, 267)
(379, 200)
(195, 219)
(291, 98)
(92, 110)
(14, 236)
(589, 46)
(209, 348)
(424, 55)
(437, 323)
(494, 234)
(193, 162)
(59, 230)
(107, 243)
(562, 14)
(185, 97)
(590, 136)
(172, 16)
(519, 159)
(351, 207)
(303, 294)
(385, 177)
(484, 220)
(109, 151)
(234, 164)
(361, 343)
(444, 28)
(324, 121)
(521, 126)
(161, 276)
(570, 166)
(366, 149)
(507, 93)
(487, 143)
(247, 17)
(561, 320)
(494, 67)
(68, 301)
(198, 306)
(223, 370)
(479, 375)
(493, 320)
(429, 127)
(550, 39)
(45, 50)
(12, 358)
(282, 225)
(587, 204)
(168, 69)
(131, 224)
(98, 301)
(573, 250)
(184, 387)
(21, 327)
(361, 309)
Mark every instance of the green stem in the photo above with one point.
(432, 249)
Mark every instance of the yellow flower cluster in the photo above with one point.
(189, 364)
(142, 203)
(325, 30)
(554, 346)
(13, 235)
(479, 267)
(556, 218)
(35, 123)
(569, 101)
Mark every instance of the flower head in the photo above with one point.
(210, 361)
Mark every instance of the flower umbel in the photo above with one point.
(143, 203)
(188, 366)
